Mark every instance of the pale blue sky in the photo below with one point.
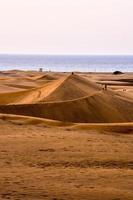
(66, 26)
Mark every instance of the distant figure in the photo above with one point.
(40, 69)
(105, 87)
(72, 73)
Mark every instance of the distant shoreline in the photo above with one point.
(67, 63)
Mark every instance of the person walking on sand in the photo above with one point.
(105, 87)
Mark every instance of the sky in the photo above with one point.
(66, 26)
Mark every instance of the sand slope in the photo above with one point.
(100, 107)
(73, 87)
(70, 98)
(63, 137)
(30, 96)
(46, 163)
(65, 88)
(46, 77)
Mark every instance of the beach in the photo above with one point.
(66, 135)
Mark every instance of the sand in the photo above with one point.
(63, 137)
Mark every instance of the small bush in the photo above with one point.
(117, 72)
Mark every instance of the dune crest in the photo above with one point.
(70, 98)
(73, 87)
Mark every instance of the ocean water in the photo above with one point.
(67, 63)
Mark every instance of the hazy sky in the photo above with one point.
(66, 26)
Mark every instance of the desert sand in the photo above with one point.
(64, 136)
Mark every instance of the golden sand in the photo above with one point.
(63, 137)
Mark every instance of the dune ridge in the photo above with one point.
(73, 87)
(102, 107)
(31, 95)
(65, 138)
(70, 98)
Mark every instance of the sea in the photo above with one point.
(67, 63)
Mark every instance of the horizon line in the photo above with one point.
(45, 54)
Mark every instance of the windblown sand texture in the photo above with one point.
(62, 136)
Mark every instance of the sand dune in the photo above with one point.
(71, 98)
(63, 137)
(124, 128)
(29, 96)
(44, 162)
(100, 107)
(46, 77)
(65, 88)
(75, 98)
(72, 88)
